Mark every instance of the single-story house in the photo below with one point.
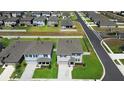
(11, 21)
(69, 51)
(53, 21)
(66, 23)
(46, 13)
(39, 21)
(27, 14)
(31, 51)
(99, 19)
(26, 21)
(36, 13)
(56, 13)
(6, 14)
(17, 13)
(65, 14)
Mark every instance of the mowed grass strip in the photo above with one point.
(115, 45)
(19, 69)
(92, 69)
(1, 69)
(47, 72)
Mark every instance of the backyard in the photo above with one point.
(92, 68)
(48, 72)
(116, 45)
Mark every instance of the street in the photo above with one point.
(112, 73)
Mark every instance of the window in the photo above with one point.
(45, 55)
(47, 62)
(30, 55)
(43, 62)
(78, 54)
(78, 59)
(36, 55)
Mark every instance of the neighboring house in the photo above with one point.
(26, 21)
(40, 52)
(69, 51)
(100, 20)
(36, 13)
(46, 13)
(31, 51)
(53, 21)
(2, 20)
(27, 14)
(66, 23)
(11, 21)
(16, 13)
(6, 14)
(39, 21)
(65, 14)
(13, 54)
(56, 13)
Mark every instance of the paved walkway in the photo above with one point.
(116, 56)
(28, 73)
(64, 72)
(5, 76)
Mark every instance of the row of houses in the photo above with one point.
(66, 22)
(39, 21)
(10, 14)
(41, 52)
(114, 16)
(100, 20)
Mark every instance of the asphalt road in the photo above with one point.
(112, 73)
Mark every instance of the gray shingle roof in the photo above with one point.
(14, 52)
(104, 21)
(53, 19)
(44, 60)
(13, 19)
(40, 47)
(66, 22)
(42, 18)
(26, 19)
(69, 46)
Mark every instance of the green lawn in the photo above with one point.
(73, 17)
(47, 72)
(122, 61)
(43, 29)
(1, 69)
(115, 45)
(4, 41)
(19, 69)
(92, 69)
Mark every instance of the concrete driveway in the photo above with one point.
(5, 76)
(29, 70)
(64, 72)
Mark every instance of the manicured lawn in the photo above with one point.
(73, 17)
(78, 26)
(1, 69)
(47, 72)
(19, 70)
(92, 69)
(107, 29)
(4, 41)
(115, 45)
(43, 29)
(122, 61)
